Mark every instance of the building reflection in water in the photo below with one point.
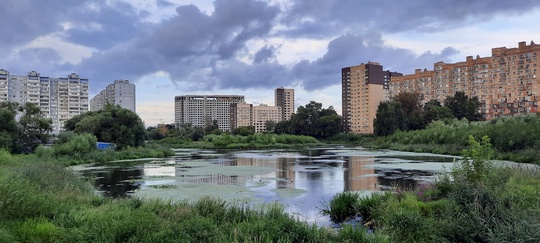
(285, 173)
(360, 173)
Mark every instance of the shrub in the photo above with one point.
(341, 207)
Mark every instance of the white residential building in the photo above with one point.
(121, 93)
(58, 98)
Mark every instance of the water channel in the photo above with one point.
(300, 180)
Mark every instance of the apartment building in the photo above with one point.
(58, 98)
(506, 83)
(241, 115)
(264, 113)
(121, 93)
(199, 110)
(284, 98)
(363, 87)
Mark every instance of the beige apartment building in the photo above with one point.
(58, 98)
(363, 87)
(506, 83)
(243, 115)
(284, 98)
(264, 113)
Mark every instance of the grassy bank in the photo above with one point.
(229, 141)
(41, 201)
(513, 138)
(475, 202)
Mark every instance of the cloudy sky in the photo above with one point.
(248, 47)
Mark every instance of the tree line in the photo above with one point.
(405, 112)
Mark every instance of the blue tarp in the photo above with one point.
(103, 145)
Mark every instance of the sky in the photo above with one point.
(169, 48)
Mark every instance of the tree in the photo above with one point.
(270, 126)
(245, 130)
(9, 129)
(113, 124)
(35, 127)
(283, 127)
(434, 111)
(389, 118)
(313, 120)
(211, 127)
(411, 105)
(464, 107)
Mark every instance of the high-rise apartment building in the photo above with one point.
(363, 87)
(284, 98)
(121, 93)
(201, 110)
(264, 113)
(58, 98)
(241, 115)
(506, 83)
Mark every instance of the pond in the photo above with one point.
(300, 180)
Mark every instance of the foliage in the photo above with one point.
(245, 131)
(513, 138)
(389, 118)
(476, 202)
(113, 124)
(341, 207)
(464, 107)
(77, 145)
(24, 135)
(311, 120)
(55, 205)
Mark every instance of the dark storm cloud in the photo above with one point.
(351, 50)
(306, 17)
(190, 41)
(104, 26)
(203, 50)
(265, 54)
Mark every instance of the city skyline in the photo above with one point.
(185, 47)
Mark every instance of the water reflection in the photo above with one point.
(300, 180)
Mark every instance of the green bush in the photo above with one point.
(341, 207)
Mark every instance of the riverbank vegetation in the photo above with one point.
(513, 138)
(476, 202)
(41, 201)
(229, 141)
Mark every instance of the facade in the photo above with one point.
(121, 93)
(200, 110)
(241, 115)
(363, 87)
(284, 98)
(506, 83)
(264, 113)
(58, 98)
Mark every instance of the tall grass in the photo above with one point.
(475, 202)
(45, 202)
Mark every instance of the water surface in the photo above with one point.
(300, 180)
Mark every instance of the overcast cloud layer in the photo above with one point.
(236, 45)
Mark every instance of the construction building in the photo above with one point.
(202, 110)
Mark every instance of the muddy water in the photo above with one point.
(300, 180)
